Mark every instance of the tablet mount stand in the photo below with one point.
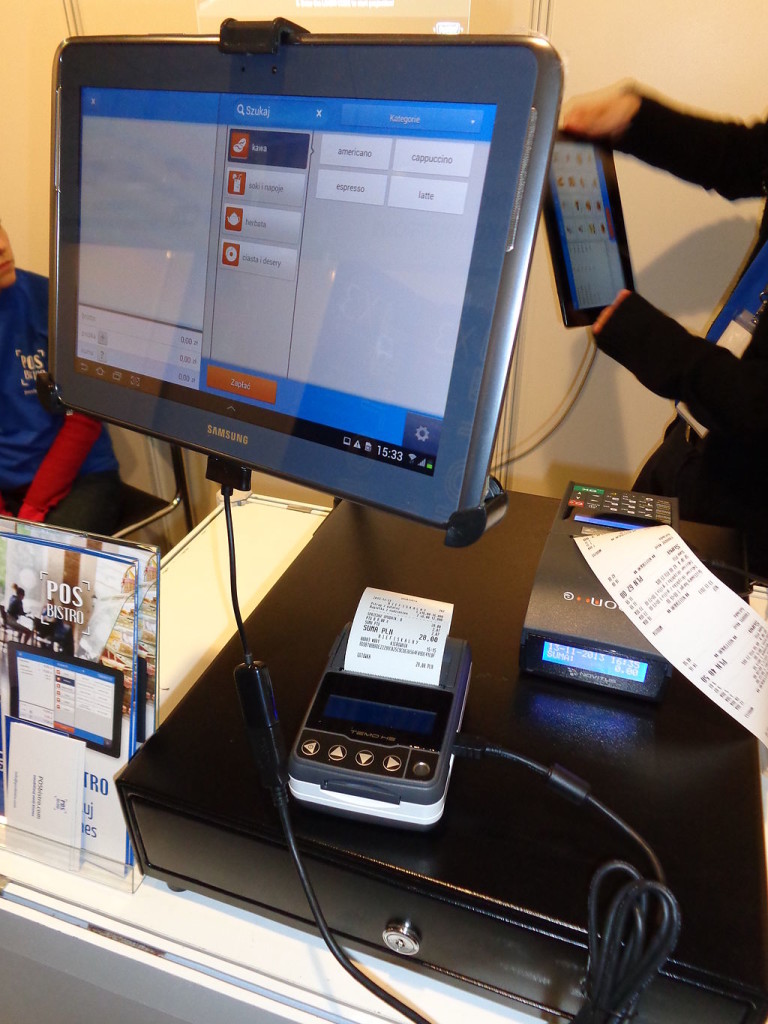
(258, 36)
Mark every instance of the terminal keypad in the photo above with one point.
(613, 501)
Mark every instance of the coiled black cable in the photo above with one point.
(639, 931)
(641, 925)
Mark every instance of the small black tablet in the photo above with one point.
(79, 698)
(585, 229)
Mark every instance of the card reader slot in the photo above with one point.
(615, 521)
(362, 790)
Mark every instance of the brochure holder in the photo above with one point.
(77, 693)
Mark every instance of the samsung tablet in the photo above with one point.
(585, 229)
(308, 259)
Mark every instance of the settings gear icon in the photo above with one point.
(422, 434)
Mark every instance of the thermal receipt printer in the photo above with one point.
(379, 748)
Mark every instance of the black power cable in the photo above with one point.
(641, 925)
(625, 958)
(254, 690)
(226, 494)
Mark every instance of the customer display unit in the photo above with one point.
(573, 631)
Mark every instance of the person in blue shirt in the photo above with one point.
(15, 611)
(57, 468)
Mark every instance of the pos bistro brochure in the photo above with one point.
(79, 662)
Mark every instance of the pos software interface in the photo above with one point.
(585, 229)
(292, 259)
(79, 698)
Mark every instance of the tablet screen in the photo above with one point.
(585, 229)
(292, 260)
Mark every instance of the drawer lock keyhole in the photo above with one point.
(401, 937)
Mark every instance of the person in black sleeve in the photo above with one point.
(719, 478)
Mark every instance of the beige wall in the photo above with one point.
(28, 36)
(685, 244)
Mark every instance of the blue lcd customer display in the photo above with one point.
(292, 259)
(613, 665)
(386, 716)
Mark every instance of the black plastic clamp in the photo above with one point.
(258, 36)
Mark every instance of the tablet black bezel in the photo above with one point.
(574, 316)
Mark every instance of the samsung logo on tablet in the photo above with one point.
(228, 435)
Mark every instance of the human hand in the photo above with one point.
(604, 114)
(606, 314)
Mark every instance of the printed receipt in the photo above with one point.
(698, 624)
(398, 636)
